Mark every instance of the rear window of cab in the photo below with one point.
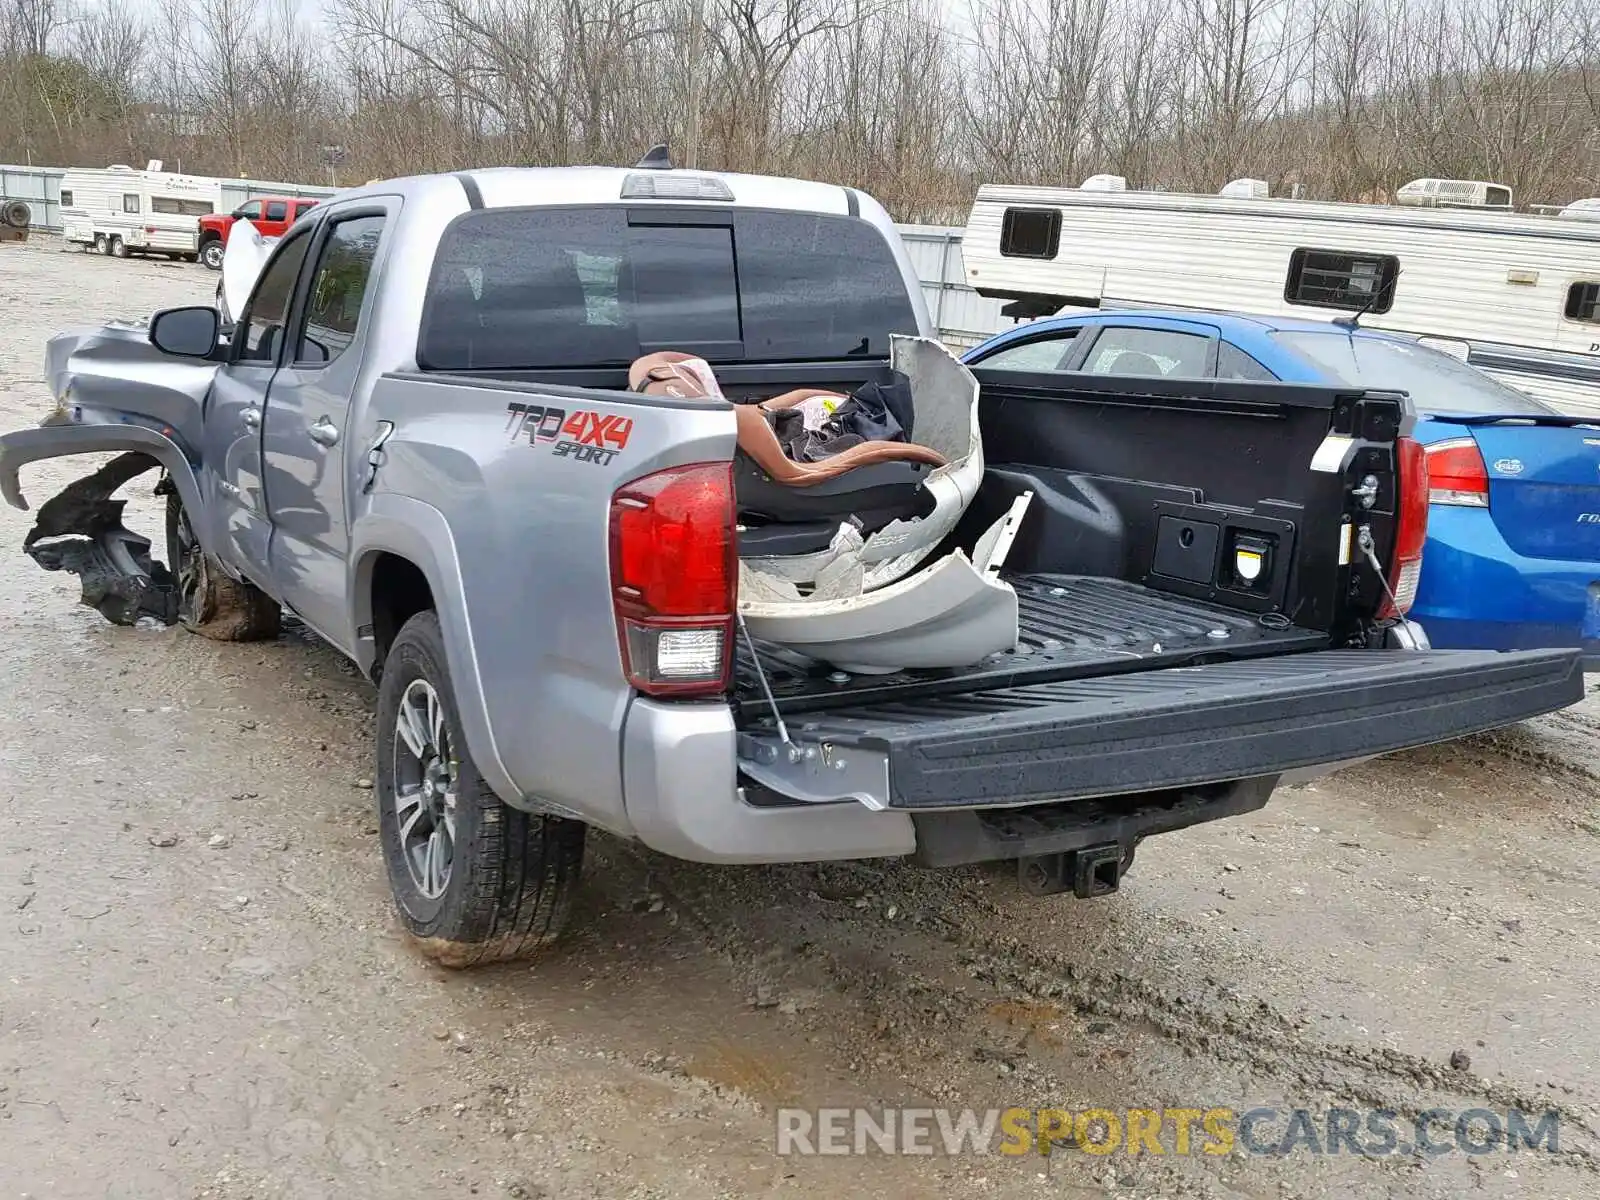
(530, 288)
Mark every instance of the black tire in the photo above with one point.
(209, 602)
(119, 248)
(15, 214)
(211, 254)
(512, 875)
(102, 244)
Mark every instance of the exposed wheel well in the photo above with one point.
(399, 592)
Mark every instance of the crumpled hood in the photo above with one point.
(113, 373)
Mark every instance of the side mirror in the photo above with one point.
(186, 332)
(239, 213)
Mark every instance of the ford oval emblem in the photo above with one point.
(1508, 466)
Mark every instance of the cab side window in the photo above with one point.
(277, 210)
(338, 289)
(260, 333)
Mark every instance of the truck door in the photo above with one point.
(306, 443)
(232, 453)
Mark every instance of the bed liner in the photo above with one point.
(1071, 627)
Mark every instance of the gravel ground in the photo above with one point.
(205, 994)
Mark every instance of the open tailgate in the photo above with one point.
(1183, 726)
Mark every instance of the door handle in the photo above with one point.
(251, 418)
(324, 432)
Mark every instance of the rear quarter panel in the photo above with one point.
(512, 505)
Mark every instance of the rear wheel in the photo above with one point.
(119, 248)
(211, 254)
(209, 602)
(102, 244)
(474, 880)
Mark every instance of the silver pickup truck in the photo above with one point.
(418, 439)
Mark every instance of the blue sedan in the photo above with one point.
(1512, 560)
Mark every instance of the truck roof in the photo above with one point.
(513, 187)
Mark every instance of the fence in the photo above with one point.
(962, 317)
(40, 188)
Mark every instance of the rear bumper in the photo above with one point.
(1477, 593)
(681, 789)
(859, 784)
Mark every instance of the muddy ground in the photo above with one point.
(203, 992)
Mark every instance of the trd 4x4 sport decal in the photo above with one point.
(582, 435)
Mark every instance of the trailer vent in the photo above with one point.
(1104, 183)
(1454, 193)
(1246, 189)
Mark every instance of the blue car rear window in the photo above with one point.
(1435, 381)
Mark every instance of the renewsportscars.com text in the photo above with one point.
(1364, 1133)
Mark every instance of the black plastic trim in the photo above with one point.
(469, 185)
(1234, 397)
(1182, 728)
(951, 839)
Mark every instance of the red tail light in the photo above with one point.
(1410, 528)
(1456, 474)
(674, 579)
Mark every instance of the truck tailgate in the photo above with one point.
(1191, 725)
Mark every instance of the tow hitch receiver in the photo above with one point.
(1092, 871)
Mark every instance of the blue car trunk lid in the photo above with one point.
(1544, 484)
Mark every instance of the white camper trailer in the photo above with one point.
(1521, 292)
(121, 210)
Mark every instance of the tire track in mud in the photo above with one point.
(1046, 998)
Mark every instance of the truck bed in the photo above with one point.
(1118, 689)
(1071, 627)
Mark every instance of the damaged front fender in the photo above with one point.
(57, 440)
(81, 530)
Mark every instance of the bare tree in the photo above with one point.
(906, 98)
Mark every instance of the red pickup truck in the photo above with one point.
(272, 215)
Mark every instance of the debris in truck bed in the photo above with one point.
(80, 530)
